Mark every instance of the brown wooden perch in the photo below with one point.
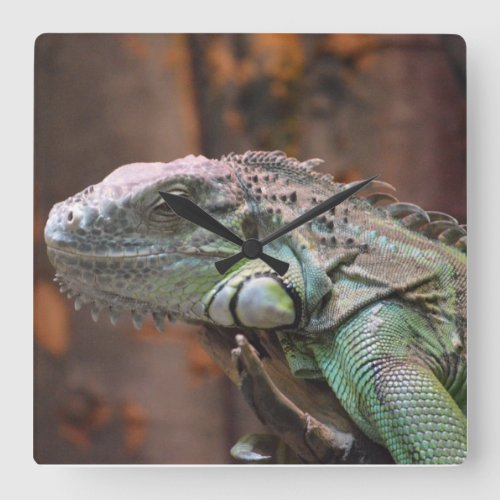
(304, 414)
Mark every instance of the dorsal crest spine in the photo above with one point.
(435, 225)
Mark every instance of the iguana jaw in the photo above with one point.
(95, 280)
(251, 296)
(115, 246)
(115, 304)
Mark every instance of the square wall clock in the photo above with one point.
(263, 240)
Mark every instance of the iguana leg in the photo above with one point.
(312, 441)
(376, 366)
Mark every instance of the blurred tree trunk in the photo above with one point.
(391, 105)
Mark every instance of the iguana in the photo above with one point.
(374, 301)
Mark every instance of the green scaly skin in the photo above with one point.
(372, 302)
(397, 400)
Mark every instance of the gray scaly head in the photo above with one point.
(118, 246)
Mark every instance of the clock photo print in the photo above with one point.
(312, 290)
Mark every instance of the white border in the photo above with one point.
(477, 22)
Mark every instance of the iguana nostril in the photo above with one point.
(73, 219)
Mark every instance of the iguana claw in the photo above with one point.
(257, 448)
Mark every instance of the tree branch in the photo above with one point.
(305, 414)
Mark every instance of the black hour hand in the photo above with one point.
(278, 265)
(188, 210)
(251, 249)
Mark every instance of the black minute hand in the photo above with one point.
(331, 202)
(224, 265)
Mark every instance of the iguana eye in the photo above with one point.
(179, 191)
(161, 212)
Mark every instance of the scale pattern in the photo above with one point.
(392, 395)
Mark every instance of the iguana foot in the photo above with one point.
(311, 440)
(256, 448)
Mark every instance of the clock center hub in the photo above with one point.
(252, 248)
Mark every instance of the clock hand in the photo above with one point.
(331, 202)
(223, 265)
(278, 265)
(336, 199)
(188, 210)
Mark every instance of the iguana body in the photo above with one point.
(373, 302)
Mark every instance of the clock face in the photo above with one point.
(268, 264)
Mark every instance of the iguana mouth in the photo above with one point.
(134, 255)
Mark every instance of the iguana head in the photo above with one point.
(118, 245)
